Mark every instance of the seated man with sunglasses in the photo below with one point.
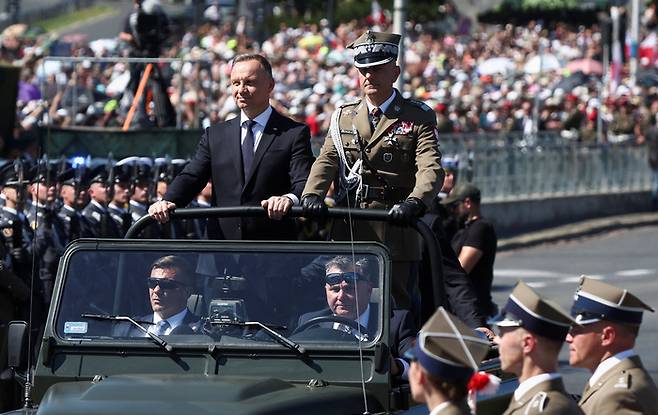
(348, 288)
(170, 285)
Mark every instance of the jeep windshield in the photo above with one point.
(222, 293)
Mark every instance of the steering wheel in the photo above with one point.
(315, 321)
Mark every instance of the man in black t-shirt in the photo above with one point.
(474, 243)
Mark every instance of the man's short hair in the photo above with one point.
(264, 63)
(180, 265)
(362, 265)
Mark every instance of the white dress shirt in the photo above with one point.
(531, 382)
(260, 121)
(174, 321)
(382, 107)
(258, 127)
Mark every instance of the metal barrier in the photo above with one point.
(513, 166)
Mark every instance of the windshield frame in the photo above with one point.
(199, 246)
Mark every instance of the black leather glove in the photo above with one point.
(406, 211)
(17, 254)
(313, 205)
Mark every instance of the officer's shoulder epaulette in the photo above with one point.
(419, 104)
(539, 401)
(623, 381)
(350, 104)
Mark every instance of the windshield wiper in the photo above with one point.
(294, 346)
(156, 339)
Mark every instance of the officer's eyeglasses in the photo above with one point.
(338, 277)
(164, 284)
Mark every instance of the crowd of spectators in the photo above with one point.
(484, 81)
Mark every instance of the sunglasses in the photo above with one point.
(338, 277)
(164, 284)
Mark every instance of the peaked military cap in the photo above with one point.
(120, 173)
(68, 177)
(525, 308)
(96, 175)
(461, 192)
(596, 300)
(42, 171)
(139, 167)
(375, 48)
(449, 349)
(9, 175)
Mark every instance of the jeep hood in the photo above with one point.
(195, 394)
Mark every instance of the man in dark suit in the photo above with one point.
(249, 158)
(170, 285)
(348, 287)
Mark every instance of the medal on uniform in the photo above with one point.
(388, 157)
(391, 139)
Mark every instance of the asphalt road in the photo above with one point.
(626, 258)
(105, 26)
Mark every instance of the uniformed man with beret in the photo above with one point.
(529, 342)
(610, 319)
(446, 355)
(382, 151)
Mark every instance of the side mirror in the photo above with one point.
(16, 344)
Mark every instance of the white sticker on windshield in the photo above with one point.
(75, 327)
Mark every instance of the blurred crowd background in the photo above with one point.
(477, 77)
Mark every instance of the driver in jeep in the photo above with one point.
(348, 287)
(170, 284)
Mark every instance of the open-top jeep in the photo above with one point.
(246, 352)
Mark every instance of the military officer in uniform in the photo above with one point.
(610, 319)
(446, 355)
(119, 196)
(16, 232)
(529, 342)
(49, 231)
(69, 192)
(383, 152)
(97, 217)
(139, 199)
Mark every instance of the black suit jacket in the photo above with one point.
(191, 324)
(402, 327)
(281, 165)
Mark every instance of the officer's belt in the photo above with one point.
(384, 194)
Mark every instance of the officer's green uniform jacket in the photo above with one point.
(404, 151)
(548, 397)
(627, 388)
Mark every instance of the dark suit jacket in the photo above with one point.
(191, 324)
(402, 327)
(281, 165)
